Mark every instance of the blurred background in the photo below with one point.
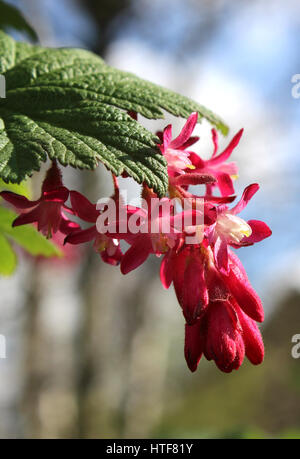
(91, 353)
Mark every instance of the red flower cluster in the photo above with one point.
(219, 305)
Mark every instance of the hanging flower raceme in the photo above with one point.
(47, 211)
(193, 234)
(220, 310)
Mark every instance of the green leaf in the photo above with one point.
(69, 105)
(12, 17)
(25, 236)
(33, 241)
(23, 188)
(8, 259)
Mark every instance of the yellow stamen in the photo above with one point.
(190, 166)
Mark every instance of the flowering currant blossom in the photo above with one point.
(219, 304)
(149, 230)
(216, 165)
(229, 229)
(220, 307)
(175, 151)
(220, 310)
(47, 211)
(108, 247)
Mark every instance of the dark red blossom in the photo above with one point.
(220, 310)
(229, 229)
(217, 166)
(107, 247)
(47, 211)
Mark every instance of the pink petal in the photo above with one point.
(248, 193)
(136, 254)
(186, 132)
(217, 288)
(178, 273)
(225, 184)
(66, 226)
(215, 141)
(221, 255)
(196, 160)
(53, 178)
(83, 207)
(167, 136)
(17, 200)
(252, 338)
(195, 294)
(191, 141)
(80, 236)
(59, 195)
(193, 346)
(166, 269)
(244, 294)
(260, 231)
(221, 336)
(222, 157)
(28, 217)
(240, 353)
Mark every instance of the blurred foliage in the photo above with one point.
(104, 14)
(23, 188)
(10, 17)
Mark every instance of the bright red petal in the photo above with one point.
(244, 294)
(83, 207)
(248, 193)
(136, 254)
(260, 231)
(195, 294)
(191, 141)
(222, 157)
(193, 346)
(59, 195)
(167, 136)
(28, 217)
(215, 141)
(221, 255)
(225, 184)
(252, 338)
(66, 226)
(221, 337)
(196, 160)
(166, 269)
(80, 236)
(17, 200)
(186, 132)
